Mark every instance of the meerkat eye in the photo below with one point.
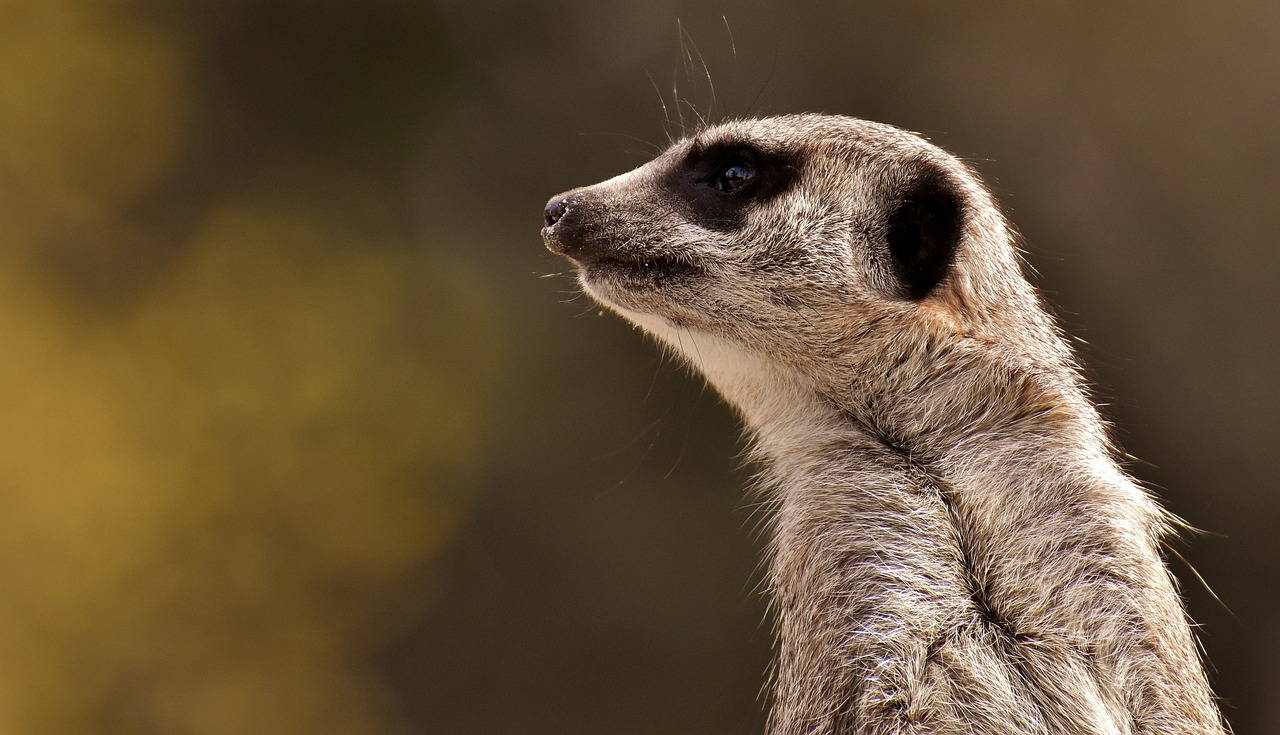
(732, 174)
(718, 184)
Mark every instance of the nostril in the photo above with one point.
(555, 210)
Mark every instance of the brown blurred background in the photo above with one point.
(298, 438)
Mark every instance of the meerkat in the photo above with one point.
(954, 545)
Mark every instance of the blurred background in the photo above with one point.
(305, 432)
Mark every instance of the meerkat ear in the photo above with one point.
(923, 232)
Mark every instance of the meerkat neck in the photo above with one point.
(1008, 580)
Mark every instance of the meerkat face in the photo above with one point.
(782, 234)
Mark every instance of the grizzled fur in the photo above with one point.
(955, 549)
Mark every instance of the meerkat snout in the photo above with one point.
(563, 230)
(562, 227)
(554, 211)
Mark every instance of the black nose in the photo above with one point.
(555, 210)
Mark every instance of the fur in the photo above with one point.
(955, 548)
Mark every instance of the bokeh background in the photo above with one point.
(304, 431)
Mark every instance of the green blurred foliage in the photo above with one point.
(235, 418)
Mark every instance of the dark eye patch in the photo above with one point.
(715, 185)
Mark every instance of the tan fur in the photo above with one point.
(955, 548)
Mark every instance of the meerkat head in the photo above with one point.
(811, 243)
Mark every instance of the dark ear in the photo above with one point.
(923, 232)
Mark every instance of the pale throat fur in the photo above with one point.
(955, 548)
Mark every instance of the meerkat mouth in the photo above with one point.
(650, 271)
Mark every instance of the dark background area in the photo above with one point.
(306, 432)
